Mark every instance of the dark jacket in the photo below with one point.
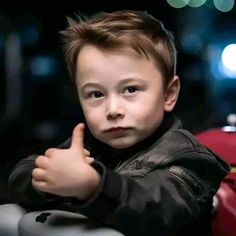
(161, 186)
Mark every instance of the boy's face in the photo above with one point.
(122, 95)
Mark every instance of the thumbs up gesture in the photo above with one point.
(67, 172)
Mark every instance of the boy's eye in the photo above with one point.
(130, 89)
(95, 94)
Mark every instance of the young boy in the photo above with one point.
(130, 165)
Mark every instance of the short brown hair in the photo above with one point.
(111, 31)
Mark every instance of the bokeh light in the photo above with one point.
(228, 60)
(196, 3)
(224, 5)
(220, 5)
(178, 3)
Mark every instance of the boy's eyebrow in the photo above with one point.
(90, 84)
(132, 79)
(123, 81)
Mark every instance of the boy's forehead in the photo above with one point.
(94, 61)
(91, 57)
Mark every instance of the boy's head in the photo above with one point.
(122, 29)
(123, 64)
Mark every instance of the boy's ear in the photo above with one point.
(172, 93)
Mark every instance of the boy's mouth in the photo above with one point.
(117, 132)
(116, 129)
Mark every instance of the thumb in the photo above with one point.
(77, 140)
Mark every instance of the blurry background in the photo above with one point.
(38, 106)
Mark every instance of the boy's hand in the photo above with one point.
(67, 172)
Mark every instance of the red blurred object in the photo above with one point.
(224, 218)
(223, 142)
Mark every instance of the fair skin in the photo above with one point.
(122, 95)
(123, 99)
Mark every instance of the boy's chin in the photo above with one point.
(122, 144)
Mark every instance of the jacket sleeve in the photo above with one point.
(157, 204)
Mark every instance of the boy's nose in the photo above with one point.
(114, 110)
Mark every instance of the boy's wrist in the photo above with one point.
(92, 185)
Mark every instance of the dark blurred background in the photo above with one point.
(38, 106)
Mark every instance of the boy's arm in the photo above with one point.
(38, 180)
(159, 203)
(22, 191)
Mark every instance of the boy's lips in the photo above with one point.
(116, 129)
(117, 132)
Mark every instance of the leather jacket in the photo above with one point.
(161, 186)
